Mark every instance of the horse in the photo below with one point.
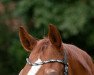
(50, 56)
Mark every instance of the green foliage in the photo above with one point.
(69, 16)
(11, 52)
(4, 45)
(17, 55)
(74, 19)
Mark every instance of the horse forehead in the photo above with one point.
(43, 41)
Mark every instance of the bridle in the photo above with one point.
(64, 62)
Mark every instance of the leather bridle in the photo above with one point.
(64, 62)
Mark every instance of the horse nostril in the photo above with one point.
(51, 72)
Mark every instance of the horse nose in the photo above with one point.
(51, 72)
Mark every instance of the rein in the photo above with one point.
(64, 62)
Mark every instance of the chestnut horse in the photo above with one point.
(49, 56)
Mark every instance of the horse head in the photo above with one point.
(49, 56)
(46, 55)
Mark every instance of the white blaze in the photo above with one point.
(34, 69)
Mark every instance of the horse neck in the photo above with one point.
(78, 60)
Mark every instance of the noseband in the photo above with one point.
(64, 62)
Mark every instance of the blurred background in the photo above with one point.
(73, 18)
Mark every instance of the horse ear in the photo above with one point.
(54, 36)
(27, 41)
